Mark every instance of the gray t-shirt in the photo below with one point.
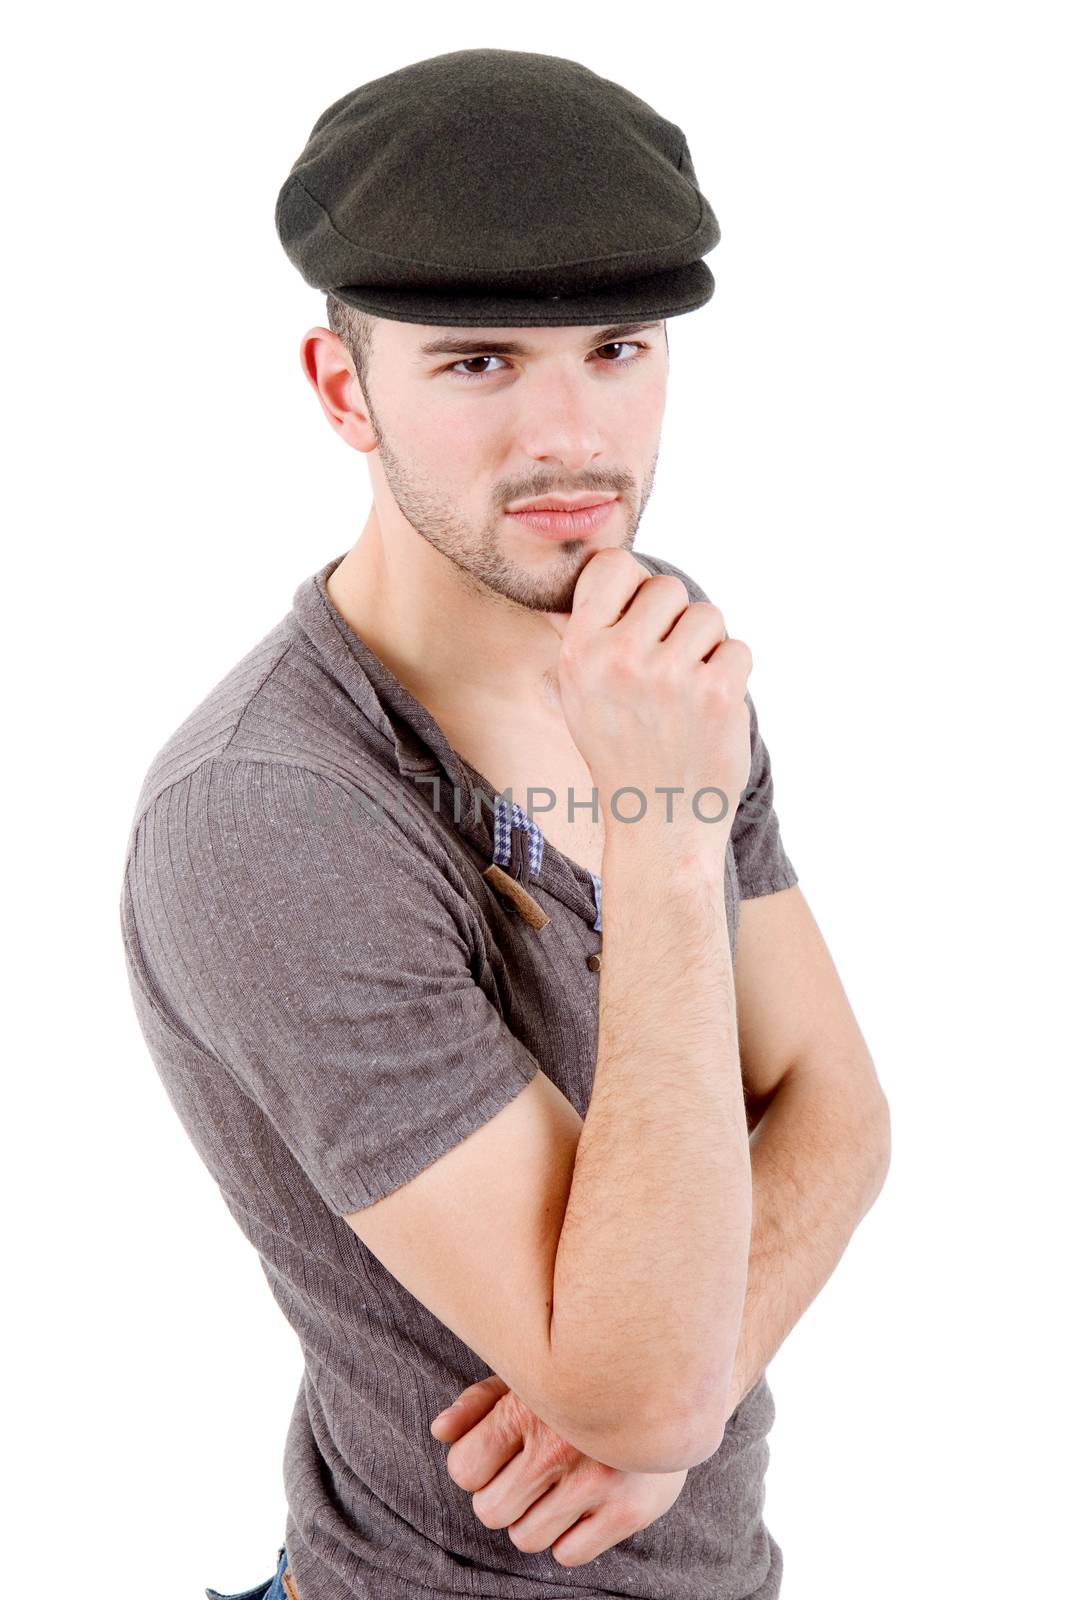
(337, 987)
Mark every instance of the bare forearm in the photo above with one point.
(652, 1257)
(817, 1168)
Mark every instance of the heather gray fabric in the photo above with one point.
(333, 999)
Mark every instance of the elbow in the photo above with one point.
(686, 1446)
(662, 1439)
(881, 1141)
(664, 1449)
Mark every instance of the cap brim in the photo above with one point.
(660, 294)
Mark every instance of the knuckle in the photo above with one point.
(667, 580)
(718, 693)
(459, 1466)
(709, 609)
(625, 1515)
(594, 1474)
(576, 1557)
(512, 1412)
(622, 658)
(552, 1452)
(670, 668)
(486, 1511)
(524, 1540)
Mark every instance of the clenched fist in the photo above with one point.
(653, 692)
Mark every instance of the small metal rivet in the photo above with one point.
(593, 963)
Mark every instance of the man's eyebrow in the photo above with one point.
(450, 345)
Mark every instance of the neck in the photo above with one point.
(442, 633)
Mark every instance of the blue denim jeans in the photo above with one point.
(269, 1589)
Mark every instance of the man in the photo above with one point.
(457, 916)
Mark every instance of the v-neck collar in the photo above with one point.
(419, 748)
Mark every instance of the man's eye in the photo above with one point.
(456, 366)
(615, 344)
(620, 344)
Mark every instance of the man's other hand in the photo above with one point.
(548, 1494)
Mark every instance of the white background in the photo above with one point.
(862, 463)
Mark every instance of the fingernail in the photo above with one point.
(442, 1415)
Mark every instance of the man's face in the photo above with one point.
(470, 421)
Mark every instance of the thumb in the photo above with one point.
(558, 620)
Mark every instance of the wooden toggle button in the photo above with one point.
(512, 889)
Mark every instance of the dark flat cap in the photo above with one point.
(498, 188)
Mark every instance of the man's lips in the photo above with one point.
(561, 502)
(553, 524)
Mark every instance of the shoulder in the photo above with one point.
(276, 708)
(210, 726)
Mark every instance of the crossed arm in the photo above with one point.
(819, 1151)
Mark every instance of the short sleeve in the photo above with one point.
(325, 959)
(760, 858)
